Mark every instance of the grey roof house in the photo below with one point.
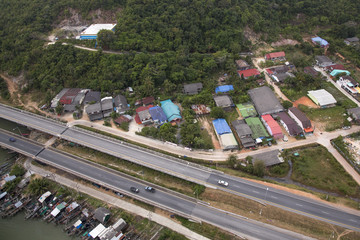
(224, 101)
(323, 61)
(92, 96)
(289, 124)
(280, 77)
(244, 133)
(121, 104)
(107, 106)
(300, 118)
(94, 111)
(265, 100)
(193, 88)
(351, 41)
(242, 65)
(269, 158)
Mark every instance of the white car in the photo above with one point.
(222, 182)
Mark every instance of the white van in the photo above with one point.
(285, 138)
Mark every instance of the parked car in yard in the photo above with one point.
(223, 183)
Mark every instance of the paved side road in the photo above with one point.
(129, 207)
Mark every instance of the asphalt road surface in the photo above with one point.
(259, 192)
(242, 226)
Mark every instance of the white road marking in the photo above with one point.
(298, 204)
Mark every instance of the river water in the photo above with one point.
(16, 228)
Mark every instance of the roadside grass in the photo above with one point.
(132, 169)
(279, 170)
(205, 135)
(274, 216)
(318, 168)
(206, 230)
(199, 161)
(343, 100)
(333, 118)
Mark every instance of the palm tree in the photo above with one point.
(38, 186)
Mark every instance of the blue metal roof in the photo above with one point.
(158, 114)
(171, 111)
(320, 41)
(221, 126)
(336, 72)
(223, 89)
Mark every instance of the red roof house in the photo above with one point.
(272, 126)
(275, 56)
(335, 67)
(249, 73)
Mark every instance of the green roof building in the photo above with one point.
(257, 128)
(247, 110)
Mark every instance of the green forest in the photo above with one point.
(168, 42)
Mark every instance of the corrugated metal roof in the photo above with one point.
(94, 29)
(157, 114)
(221, 126)
(265, 100)
(323, 97)
(224, 88)
(171, 111)
(275, 127)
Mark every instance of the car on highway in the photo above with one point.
(223, 183)
(134, 189)
(150, 189)
(12, 139)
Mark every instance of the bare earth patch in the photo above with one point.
(205, 123)
(305, 101)
(284, 42)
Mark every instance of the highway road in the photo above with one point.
(201, 175)
(234, 223)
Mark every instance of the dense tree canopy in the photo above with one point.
(192, 39)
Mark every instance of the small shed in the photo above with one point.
(320, 41)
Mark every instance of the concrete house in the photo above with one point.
(272, 126)
(94, 111)
(225, 135)
(269, 158)
(352, 41)
(289, 124)
(275, 56)
(322, 98)
(143, 115)
(193, 88)
(249, 73)
(323, 61)
(265, 101)
(301, 119)
(242, 65)
(92, 97)
(311, 71)
(107, 106)
(244, 133)
(224, 101)
(319, 41)
(121, 104)
(158, 115)
(171, 110)
(92, 31)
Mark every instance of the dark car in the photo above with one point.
(150, 189)
(134, 189)
(12, 139)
